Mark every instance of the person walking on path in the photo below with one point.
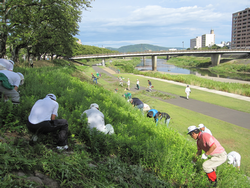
(234, 158)
(137, 84)
(128, 84)
(154, 113)
(127, 95)
(137, 103)
(94, 78)
(187, 91)
(96, 120)
(166, 116)
(9, 84)
(204, 129)
(42, 119)
(149, 86)
(211, 146)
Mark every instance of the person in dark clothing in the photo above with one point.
(94, 78)
(166, 116)
(149, 86)
(137, 103)
(154, 113)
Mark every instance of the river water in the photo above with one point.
(163, 66)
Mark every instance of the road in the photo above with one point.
(235, 117)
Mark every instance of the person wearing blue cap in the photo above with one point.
(42, 119)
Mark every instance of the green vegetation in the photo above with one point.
(190, 61)
(138, 155)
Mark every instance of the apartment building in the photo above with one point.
(195, 43)
(208, 40)
(241, 29)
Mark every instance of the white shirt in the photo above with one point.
(14, 78)
(206, 130)
(187, 90)
(95, 119)
(8, 65)
(42, 110)
(137, 82)
(234, 158)
(128, 82)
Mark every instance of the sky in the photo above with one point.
(166, 23)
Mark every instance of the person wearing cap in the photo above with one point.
(96, 120)
(127, 95)
(128, 84)
(234, 158)
(9, 84)
(137, 84)
(137, 103)
(204, 129)
(42, 120)
(6, 64)
(187, 91)
(149, 85)
(212, 147)
(154, 113)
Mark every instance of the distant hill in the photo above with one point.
(140, 48)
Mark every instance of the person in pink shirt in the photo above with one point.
(212, 147)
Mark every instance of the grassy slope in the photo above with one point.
(232, 137)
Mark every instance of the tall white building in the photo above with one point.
(195, 43)
(208, 40)
(203, 41)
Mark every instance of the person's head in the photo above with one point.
(193, 131)
(12, 62)
(201, 127)
(51, 96)
(22, 78)
(94, 105)
(150, 114)
(123, 95)
(187, 85)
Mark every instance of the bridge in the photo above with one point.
(215, 55)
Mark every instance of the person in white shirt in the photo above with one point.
(9, 84)
(137, 84)
(96, 119)
(187, 91)
(6, 64)
(204, 129)
(42, 120)
(128, 84)
(234, 158)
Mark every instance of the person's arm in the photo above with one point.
(16, 88)
(53, 117)
(211, 149)
(197, 154)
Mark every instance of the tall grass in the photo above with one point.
(138, 146)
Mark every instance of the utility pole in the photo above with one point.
(183, 44)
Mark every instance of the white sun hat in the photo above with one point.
(191, 128)
(201, 126)
(94, 105)
(52, 96)
(22, 78)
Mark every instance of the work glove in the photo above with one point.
(204, 156)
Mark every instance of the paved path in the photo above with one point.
(235, 117)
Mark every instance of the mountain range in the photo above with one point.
(141, 48)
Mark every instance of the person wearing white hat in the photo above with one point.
(187, 91)
(234, 158)
(9, 84)
(204, 129)
(212, 147)
(128, 84)
(42, 120)
(6, 64)
(96, 119)
(137, 84)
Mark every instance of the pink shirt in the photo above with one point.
(205, 141)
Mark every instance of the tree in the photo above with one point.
(39, 26)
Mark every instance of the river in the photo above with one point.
(163, 66)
